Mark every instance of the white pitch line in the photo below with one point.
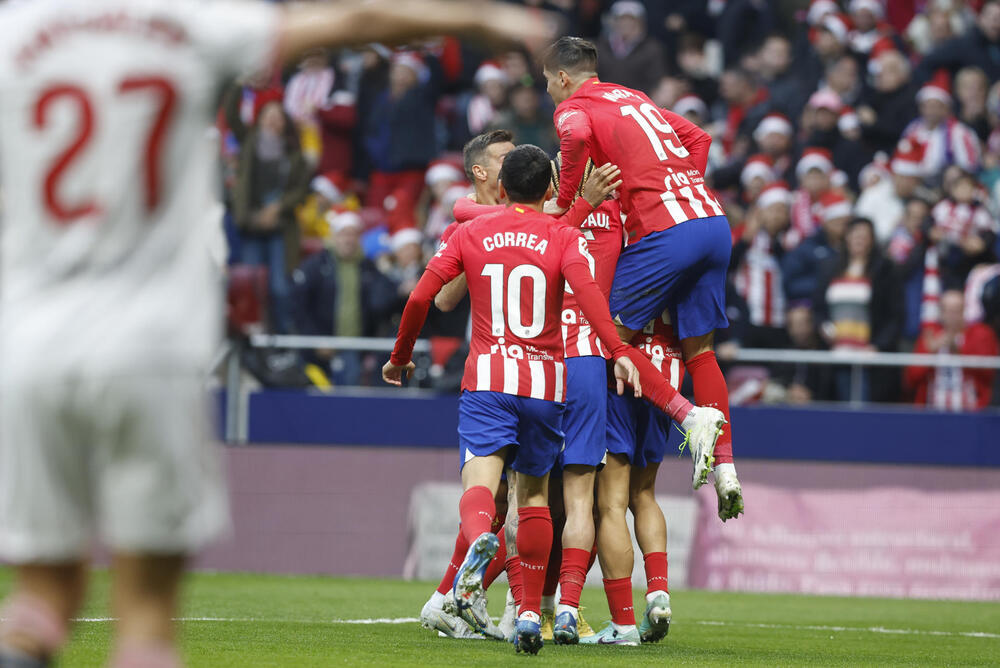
(702, 622)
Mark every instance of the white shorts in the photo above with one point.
(128, 459)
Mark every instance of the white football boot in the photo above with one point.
(727, 486)
(702, 427)
(447, 623)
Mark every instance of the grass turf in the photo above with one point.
(265, 620)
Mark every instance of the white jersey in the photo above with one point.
(109, 179)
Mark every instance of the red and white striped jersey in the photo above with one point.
(662, 155)
(806, 218)
(758, 281)
(660, 344)
(513, 261)
(950, 143)
(959, 220)
(603, 231)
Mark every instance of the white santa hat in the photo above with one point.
(874, 6)
(690, 103)
(774, 193)
(777, 123)
(938, 88)
(344, 220)
(408, 235)
(908, 159)
(848, 120)
(758, 166)
(838, 27)
(490, 71)
(820, 8)
(834, 205)
(814, 158)
(443, 171)
(325, 187)
(412, 60)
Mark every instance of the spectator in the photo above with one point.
(757, 173)
(338, 292)
(963, 231)
(882, 201)
(889, 105)
(823, 116)
(307, 91)
(526, 120)
(977, 48)
(441, 178)
(953, 388)
(857, 302)
(757, 251)
(627, 55)
(828, 43)
(935, 26)
(971, 89)
(804, 383)
(788, 88)
(406, 263)
(695, 68)
(842, 78)
(800, 266)
(693, 108)
(482, 109)
(745, 103)
(907, 248)
(867, 17)
(400, 139)
(774, 139)
(271, 181)
(338, 119)
(813, 172)
(945, 139)
(312, 213)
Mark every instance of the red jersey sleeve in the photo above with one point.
(694, 139)
(414, 316)
(575, 134)
(447, 262)
(577, 213)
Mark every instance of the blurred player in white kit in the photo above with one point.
(109, 305)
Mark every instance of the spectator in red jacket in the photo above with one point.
(953, 388)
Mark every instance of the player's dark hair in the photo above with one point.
(475, 149)
(571, 54)
(526, 174)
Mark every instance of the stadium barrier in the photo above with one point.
(893, 501)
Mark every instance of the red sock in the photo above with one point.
(534, 542)
(657, 391)
(619, 593)
(457, 557)
(656, 571)
(710, 390)
(476, 509)
(593, 557)
(514, 579)
(552, 568)
(572, 575)
(496, 566)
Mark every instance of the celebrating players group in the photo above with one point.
(592, 290)
(109, 309)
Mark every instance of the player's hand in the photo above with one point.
(393, 374)
(602, 182)
(552, 208)
(626, 372)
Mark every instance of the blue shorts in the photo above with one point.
(585, 421)
(488, 421)
(637, 430)
(683, 269)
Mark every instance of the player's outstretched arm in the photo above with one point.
(574, 145)
(308, 26)
(451, 294)
(414, 315)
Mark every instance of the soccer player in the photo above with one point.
(109, 304)
(482, 156)
(516, 263)
(637, 441)
(678, 243)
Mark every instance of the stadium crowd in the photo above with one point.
(856, 151)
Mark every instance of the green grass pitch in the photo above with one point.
(264, 620)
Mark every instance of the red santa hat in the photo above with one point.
(874, 6)
(814, 158)
(938, 88)
(412, 60)
(838, 25)
(874, 171)
(908, 159)
(882, 46)
(777, 123)
(820, 8)
(833, 204)
(266, 97)
(688, 104)
(757, 166)
(848, 120)
(326, 185)
(774, 193)
(407, 235)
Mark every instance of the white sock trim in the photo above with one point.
(562, 607)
